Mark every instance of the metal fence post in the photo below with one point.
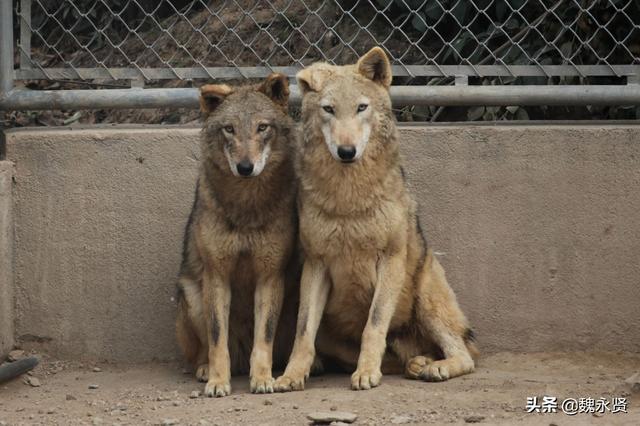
(25, 34)
(6, 46)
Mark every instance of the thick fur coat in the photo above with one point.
(239, 261)
(373, 296)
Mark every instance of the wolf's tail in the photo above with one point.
(185, 332)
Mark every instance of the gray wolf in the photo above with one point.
(239, 256)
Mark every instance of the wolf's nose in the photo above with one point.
(245, 168)
(346, 152)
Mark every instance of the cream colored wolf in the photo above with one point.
(369, 282)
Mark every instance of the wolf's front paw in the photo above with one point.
(262, 384)
(364, 379)
(217, 388)
(202, 373)
(289, 382)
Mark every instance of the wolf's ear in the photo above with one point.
(212, 95)
(376, 67)
(311, 79)
(276, 87)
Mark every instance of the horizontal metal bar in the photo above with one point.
(260, 72)
(516, 95)
(21, 99)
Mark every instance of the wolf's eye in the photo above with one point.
(362, 107)
(228, 129)
(262, 127)
(328, 108)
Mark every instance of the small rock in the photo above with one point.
(70, 398)
(194, 394)
(321, 417)
(176, 403)
(169, 422)
(295, 407)
(633, 383)
(33, 381)
(15, 355)
(473, 419)
(97, 421)
(267, 402)
(51, 411)
(400, 420)
(93, 386)
(333, 408)
(97, 369)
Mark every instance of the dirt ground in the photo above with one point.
(159, 393)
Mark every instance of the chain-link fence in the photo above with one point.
(443, 51)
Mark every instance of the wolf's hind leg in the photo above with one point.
(202, 370)
(409, 349)
(441, 319)
(191, 327)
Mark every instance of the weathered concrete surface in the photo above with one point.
(538, 226)
(6, 259)
(98, 221)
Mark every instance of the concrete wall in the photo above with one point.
(6, 259)
(538, 226)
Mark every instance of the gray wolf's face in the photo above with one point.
(242, 124)
(247, 143)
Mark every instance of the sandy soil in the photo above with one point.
(161, 394)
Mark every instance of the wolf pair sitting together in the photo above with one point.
(332, 196)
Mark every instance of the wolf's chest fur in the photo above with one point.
(351, 247)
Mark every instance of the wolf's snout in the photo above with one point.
(347, 152)
(245, 168)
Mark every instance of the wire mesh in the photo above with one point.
(183, 40)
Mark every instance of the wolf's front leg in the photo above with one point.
(314, 290)
(268, 304)
(217, 301)
(390, 279)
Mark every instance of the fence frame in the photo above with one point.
(459, 94)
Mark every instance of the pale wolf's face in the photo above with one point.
(346, 101)
(243, 124)
(346, 124)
